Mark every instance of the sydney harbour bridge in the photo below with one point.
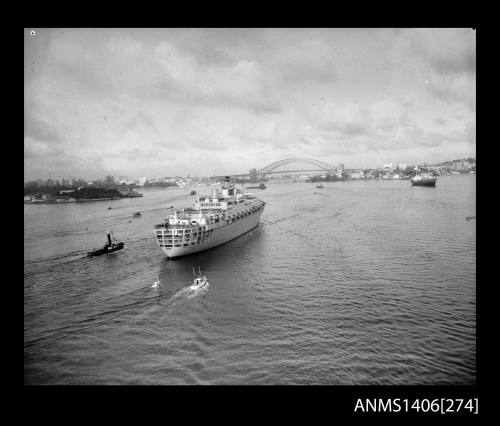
(288, 165)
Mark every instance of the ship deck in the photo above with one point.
(214, 216)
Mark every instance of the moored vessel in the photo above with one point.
(213, 220)
(261, 186)
(423, 180)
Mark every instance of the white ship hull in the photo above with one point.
(221, 234)
(213, 220)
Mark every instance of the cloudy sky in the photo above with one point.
(163, 102)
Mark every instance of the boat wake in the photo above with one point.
(58, 259)
(197, 291)
(268, 222)
(188, 293)
(46, 265)
(139, 309)
(90, 323)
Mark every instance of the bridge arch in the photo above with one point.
(314, 164)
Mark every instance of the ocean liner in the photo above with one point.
(213, 220)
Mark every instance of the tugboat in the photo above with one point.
(199, 281)
(110, 247)
(137, 214)
(423, 180)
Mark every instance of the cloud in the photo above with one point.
(470, 132)
(122, 66)
(441, 121)
(139, 155)
(35, 148)
(389, 125)
(345, 120)
(460, 88)
(38, 129)
(446, 59)
(130, 100)
(238, 83)
(449, 51)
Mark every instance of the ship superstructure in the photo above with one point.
(423, 179)
(213, 220)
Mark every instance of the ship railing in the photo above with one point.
(185, 226)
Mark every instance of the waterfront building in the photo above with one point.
(121, 179)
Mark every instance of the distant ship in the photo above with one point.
(131, 192)
(423, 180)
(328, 178)
(261, 186)
(319, 185)
(213, 220)
(400, 177)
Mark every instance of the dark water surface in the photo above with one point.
(356, 283)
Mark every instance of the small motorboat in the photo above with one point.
(137, 214)
(193, 192)
(109, 208)
(157, 283)
(200, 281)
(111, 246)
(319, 185)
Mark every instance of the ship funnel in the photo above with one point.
(109, 238)
(227, 180)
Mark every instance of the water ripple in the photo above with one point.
(361, 283)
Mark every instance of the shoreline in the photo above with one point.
(62, 201)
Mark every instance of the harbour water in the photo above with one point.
(357, 283)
